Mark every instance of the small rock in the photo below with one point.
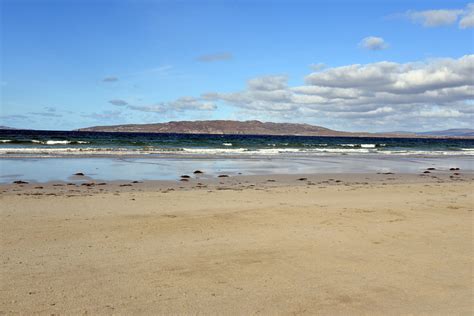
(20, 182)
(222, 176)
(79, 174)
(426, 172)
(197, 172)
(302, 179)
(453, 169)
(431, 169)
(184, 180)
(185, 176)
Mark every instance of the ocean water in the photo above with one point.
(44, 144)
(48, 156)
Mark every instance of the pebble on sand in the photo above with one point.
(79, 174)
(197, 172)
(20, 182)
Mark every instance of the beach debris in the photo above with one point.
(197, 172)
(184, 179)
(136, 181)
(222, 176)
(185, 176)
(20, 182)
(453, 169)
(102, 183)
(431, 169)
(88, 184)
(456, 174)
(426, 171)
(302, 179)
(125, 185)
(81, 174)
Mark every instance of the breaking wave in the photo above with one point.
(116, 151)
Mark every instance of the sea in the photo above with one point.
(54, 155)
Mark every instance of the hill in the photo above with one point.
(222, 127)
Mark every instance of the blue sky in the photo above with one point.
(70, 64)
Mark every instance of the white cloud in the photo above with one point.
(268, 83)
(443, 17)
(373, 43)
(440, 113)
(432, 18)
(467, 19)
(382, 92)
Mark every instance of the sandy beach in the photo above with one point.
(327, 244)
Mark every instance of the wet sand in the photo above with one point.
(279, 244)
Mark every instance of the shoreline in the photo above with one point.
(84, 185)
(170, 168)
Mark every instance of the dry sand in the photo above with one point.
(363, 246)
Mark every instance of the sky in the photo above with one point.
(347, 65)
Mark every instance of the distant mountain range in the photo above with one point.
(454, 132)
(227, 127)
(260, 128)
(451, 132)
(222, 127)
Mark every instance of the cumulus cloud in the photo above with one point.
(394, 93)
(215, 57)
(268, 83)
(373, 43)
(443, 17)
(110, 79)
